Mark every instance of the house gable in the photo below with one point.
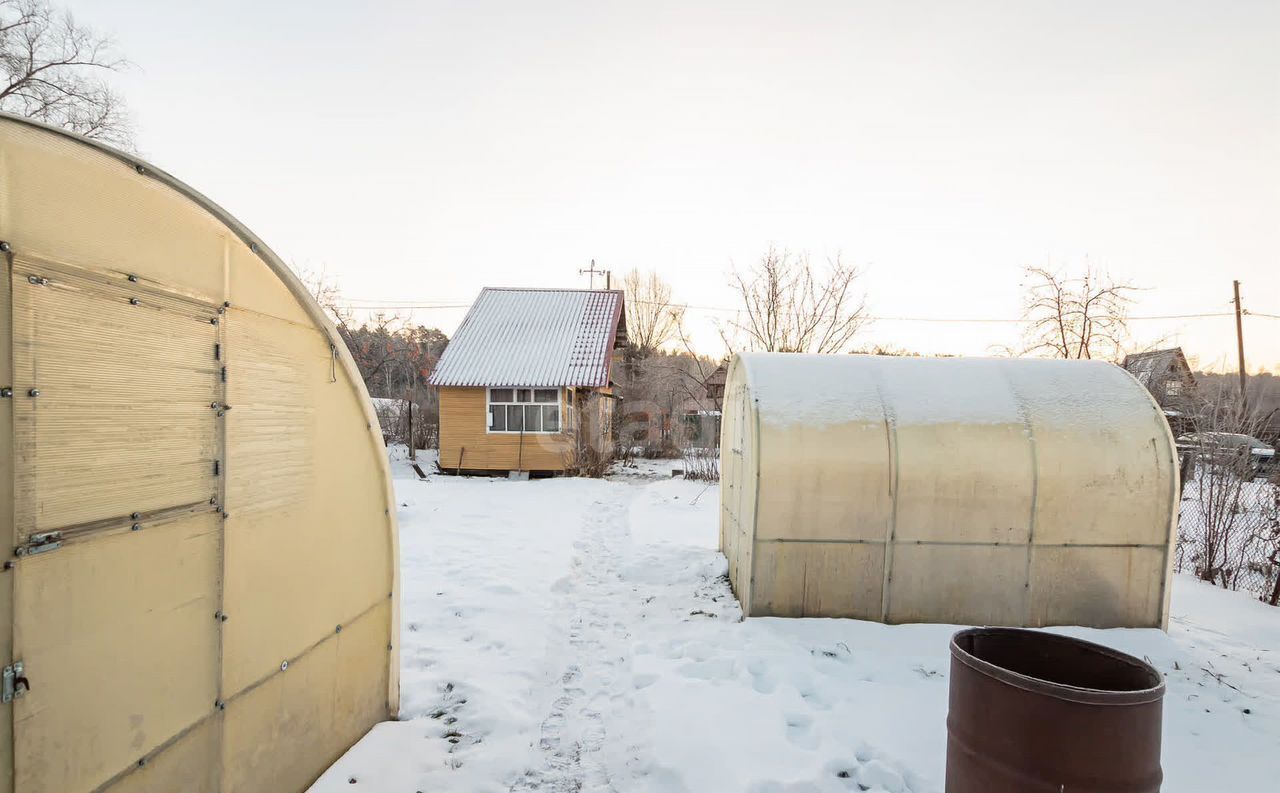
(1166, 374)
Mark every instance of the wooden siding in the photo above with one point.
(464, 431)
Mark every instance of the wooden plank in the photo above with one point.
(464, 436)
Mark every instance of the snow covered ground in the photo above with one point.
(1236, 523)
(569, 634)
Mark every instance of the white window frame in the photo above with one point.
(489, 403)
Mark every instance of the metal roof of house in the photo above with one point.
(534, 337)
(1149, 367)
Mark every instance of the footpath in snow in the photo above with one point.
(580, 635)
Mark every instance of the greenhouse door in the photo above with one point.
(117, 403)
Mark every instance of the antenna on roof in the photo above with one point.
(591, 273)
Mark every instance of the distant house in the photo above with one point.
(714, 385)
(527, 379)
(1168, 377)
(702, 426)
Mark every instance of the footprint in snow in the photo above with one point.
(815, 700)
(715, 669)
(800, 731)
(877, 774)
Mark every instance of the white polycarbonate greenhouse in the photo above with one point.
(202, 592)
(972, 491)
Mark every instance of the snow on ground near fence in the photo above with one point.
(571, 634)
(1244, 520)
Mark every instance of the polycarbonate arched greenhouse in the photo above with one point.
(970, 491)
(202, 594)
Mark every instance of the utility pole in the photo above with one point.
(1244, 400)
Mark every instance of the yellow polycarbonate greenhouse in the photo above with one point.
(202, 591)
(971, 491)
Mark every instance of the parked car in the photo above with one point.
(1250, 456)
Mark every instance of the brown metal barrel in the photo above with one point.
(1034, 712)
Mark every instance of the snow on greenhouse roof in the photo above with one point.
(822, 390)
(534, 337)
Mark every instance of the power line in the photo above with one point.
(1022, 320)
(377, 305)
(401, 306)
(1183, 316)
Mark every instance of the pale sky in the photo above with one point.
(418, 151)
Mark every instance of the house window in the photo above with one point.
(527, 410)
(1173, 388)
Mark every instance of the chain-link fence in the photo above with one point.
(1229, 528)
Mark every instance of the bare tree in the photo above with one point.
(53, 71)
(787, 306)
(1075, 317)
(394, 355)
(590, 421)
(652, 319)
(1262, 390)
(326, 292)
(1268, 536)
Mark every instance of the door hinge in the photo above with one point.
(217, 467)
(224, 374)
(217, 351)
(13, 682)
(40, 543)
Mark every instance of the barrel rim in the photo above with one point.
(1035, 685)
